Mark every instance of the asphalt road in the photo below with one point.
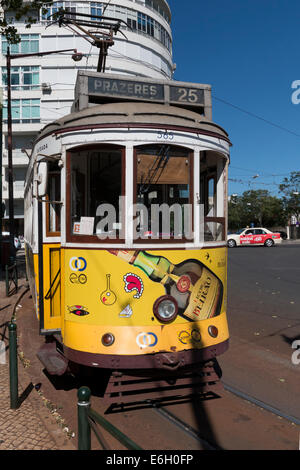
(264, 322)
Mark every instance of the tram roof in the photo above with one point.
(126, 114)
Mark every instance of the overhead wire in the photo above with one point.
(256, 116)
(104, 10)
(267, 121)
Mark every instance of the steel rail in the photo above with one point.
(261, 404)
(184, 427)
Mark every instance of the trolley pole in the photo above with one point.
(13, 365)
(84, 429)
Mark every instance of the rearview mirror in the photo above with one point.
(40, 180)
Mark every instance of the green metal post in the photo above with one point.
(13, 365)
(84, 429)
(6, 280)
(1, 215)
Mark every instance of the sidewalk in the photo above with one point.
(31, 426)
(291, 241)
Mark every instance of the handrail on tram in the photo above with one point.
(48, 295)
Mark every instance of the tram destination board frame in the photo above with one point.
(99, 88)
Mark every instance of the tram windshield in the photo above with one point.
(160, 187)
(163, 175)
(96, 182)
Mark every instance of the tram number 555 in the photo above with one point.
(165, 135)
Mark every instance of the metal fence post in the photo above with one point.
(13, 365)
(84, 429)
(6, 280)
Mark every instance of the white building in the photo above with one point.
(43, 87)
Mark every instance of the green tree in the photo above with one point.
(19, 9)
(290, 187)
(258, 207)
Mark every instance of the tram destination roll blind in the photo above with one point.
(145, 91)
(126, 89)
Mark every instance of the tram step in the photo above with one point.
(52, 360)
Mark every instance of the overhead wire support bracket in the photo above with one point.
(101, 39)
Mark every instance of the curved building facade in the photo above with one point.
(43, 87)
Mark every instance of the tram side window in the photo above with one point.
(163, 193)
(96, 186)
(53, 206)
(212, 195)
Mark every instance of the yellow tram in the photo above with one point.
(125, 228)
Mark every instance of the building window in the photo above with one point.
(29, 43)
(24, 111)
(51, 10)
(96, 9)
(23, 78)
(141, 22)
(19, 174)
(72, 7)
(146, 24)
(137, 21)
(155, 6)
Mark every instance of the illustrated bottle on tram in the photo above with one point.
(108, 297)
(197, 290)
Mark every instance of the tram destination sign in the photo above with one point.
(125, 88)
(93, 87)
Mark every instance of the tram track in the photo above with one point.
(203, 442)
(261, 404)
(186, 428)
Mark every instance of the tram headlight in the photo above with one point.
(165, 309)
(108, 339)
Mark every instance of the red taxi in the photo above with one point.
(253, 236)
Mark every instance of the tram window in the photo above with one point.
(96, 185)
(212, 195)
(163, 190)
(53, 206)
(211, 199)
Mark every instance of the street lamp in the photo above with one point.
(76, 57)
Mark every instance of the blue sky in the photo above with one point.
(249, 51)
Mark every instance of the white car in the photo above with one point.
(253, 236)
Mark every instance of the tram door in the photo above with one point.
(212, 195)
(52, 252)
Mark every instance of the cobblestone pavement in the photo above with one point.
(21, 429)
(32, 426)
